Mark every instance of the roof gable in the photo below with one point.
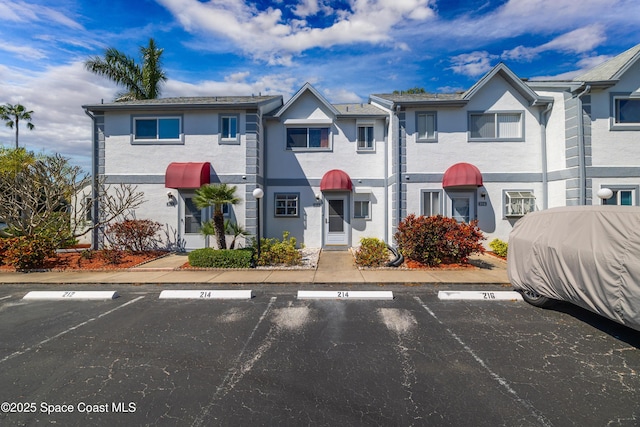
(612, 69)
(503, 71)
(304, 89)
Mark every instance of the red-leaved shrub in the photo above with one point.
(134, 235)
(436, 239)
(27, 252)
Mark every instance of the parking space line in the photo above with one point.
(235, 373)
(73, 328)
(503, 382)
(7, 297)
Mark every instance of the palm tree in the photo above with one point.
(12, 114)
(217, 195)
(140, 82)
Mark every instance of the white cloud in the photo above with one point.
(472, 64)
(55, 96)
(23, 52)
(584, 65)
(19, 11)
(580, 40)
(267, 36)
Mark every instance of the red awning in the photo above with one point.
(336, 180)
(462, 175)
(187, 175)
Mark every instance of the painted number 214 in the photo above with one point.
(343, 294)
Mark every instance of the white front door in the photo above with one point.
(463, 208)
(191, 220)
(336, 220)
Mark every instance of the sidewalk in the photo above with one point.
(333, 267)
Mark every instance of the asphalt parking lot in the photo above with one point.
(279, 360)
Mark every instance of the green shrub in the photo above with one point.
(278, 252)
(499, 247)
(221, 258)
(27, 252)
(436, 239)
(372, 252)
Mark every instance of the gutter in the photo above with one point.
(94, 181)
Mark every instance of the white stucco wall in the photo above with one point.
(201, 143)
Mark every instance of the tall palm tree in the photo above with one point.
(12, 114)
(217, 195)
(140, 81)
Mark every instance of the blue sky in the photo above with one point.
(347, 49)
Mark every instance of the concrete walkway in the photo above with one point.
(333, 267)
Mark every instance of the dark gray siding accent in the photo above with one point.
(314, 182)
(613, 172)
(253, 170)
(399, 168)
(572, 136)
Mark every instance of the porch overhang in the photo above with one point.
(187, 175)
(462, 175)
(336, 180)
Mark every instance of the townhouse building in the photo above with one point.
(334, 173)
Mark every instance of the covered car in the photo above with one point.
(585, 255)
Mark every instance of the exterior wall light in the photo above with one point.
(605, 193)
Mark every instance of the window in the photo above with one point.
(365, 138)
(519, 203)
(361, 209)
(307, 138)
(626, 112)
(495, 126)
(426, 126)
(621, 197)
(156, 128)
(193, 218)
(286, 205)
(229, 128)
(87, 207)
(431, 203)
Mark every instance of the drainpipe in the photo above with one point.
(386, 178)
(544, 119)
(582, 168)
(94, 182)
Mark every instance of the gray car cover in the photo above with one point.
(586, 255)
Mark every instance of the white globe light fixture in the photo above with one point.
(258, 193)
(605, 193)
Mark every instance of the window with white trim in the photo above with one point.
(431, 203)
(426, 126)
(286, 204)
(365, 137)
(361, 209)
(229, 128)
(621, 197)
(627, 110)
(518, 203)
(495, 126)
(156, 128)
(314, 138)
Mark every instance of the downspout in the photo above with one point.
(94, 182)
(388, 120)
(399, 164)
(582, 168)
(544, 118)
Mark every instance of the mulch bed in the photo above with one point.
(70, 261)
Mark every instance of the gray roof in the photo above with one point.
(192, 102)
(359, 110)
(419, 97)
(613, 68)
